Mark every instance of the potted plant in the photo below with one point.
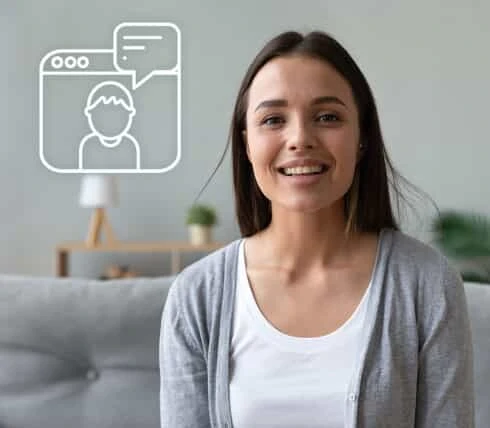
(465, 238)
(200, 220)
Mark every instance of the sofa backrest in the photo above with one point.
(78, 353)
(478, 297)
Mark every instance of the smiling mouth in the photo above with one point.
(303, 170)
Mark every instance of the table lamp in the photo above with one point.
(98, 192)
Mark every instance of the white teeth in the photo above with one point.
(303, 170)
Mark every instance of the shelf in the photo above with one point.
(175, 248)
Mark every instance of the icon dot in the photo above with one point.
(125, 57)
(57, 62)
(70, 62)
(82, 62)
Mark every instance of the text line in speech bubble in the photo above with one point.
(156, 51)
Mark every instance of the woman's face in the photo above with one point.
(302, 133)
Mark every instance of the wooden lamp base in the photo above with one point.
(99, 221)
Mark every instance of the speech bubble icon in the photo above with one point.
(146, 50)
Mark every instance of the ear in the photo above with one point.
(360, 151)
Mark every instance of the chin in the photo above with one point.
(307, 206)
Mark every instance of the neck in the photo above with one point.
(110, 142)
(303, 241)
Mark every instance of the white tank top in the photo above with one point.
(277, 380)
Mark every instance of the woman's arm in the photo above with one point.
(445, 394)
(183, 372)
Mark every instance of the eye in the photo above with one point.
(272, 121)
(328, 117)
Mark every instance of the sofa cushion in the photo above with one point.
(80, 353)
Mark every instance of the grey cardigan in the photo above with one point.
(416, 369)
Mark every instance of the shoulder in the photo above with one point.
(414, 256)
(423, 268)
(89, 138)
(131, 140)
(211, 266)
(406, 247)
(199, 287)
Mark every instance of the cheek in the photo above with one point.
(345, 155)
(344, 146)
(261, 149)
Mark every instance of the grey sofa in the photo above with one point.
(77, 353)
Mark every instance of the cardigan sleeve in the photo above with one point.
(445, 394)
(183, 371)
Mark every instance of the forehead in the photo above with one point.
(298, 78)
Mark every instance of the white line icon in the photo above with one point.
(101, 110)
(100, 96)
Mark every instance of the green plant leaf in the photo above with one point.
(202, 214)
(475, 277)
(463, 235)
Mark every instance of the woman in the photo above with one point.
(323, 314)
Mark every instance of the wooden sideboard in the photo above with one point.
(174, 248)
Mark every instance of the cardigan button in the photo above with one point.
(352, 397)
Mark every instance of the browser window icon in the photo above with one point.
(120, 107)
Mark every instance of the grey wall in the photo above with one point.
(427, 62)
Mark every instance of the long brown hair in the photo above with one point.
(367, 203)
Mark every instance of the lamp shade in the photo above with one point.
(98, 191)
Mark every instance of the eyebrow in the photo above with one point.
(328, 99)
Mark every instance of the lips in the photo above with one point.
(302, 162)
(303, 167)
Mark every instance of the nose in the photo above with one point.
(300, 136)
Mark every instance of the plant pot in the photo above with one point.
(199, 234)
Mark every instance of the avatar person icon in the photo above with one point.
(109, 111)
